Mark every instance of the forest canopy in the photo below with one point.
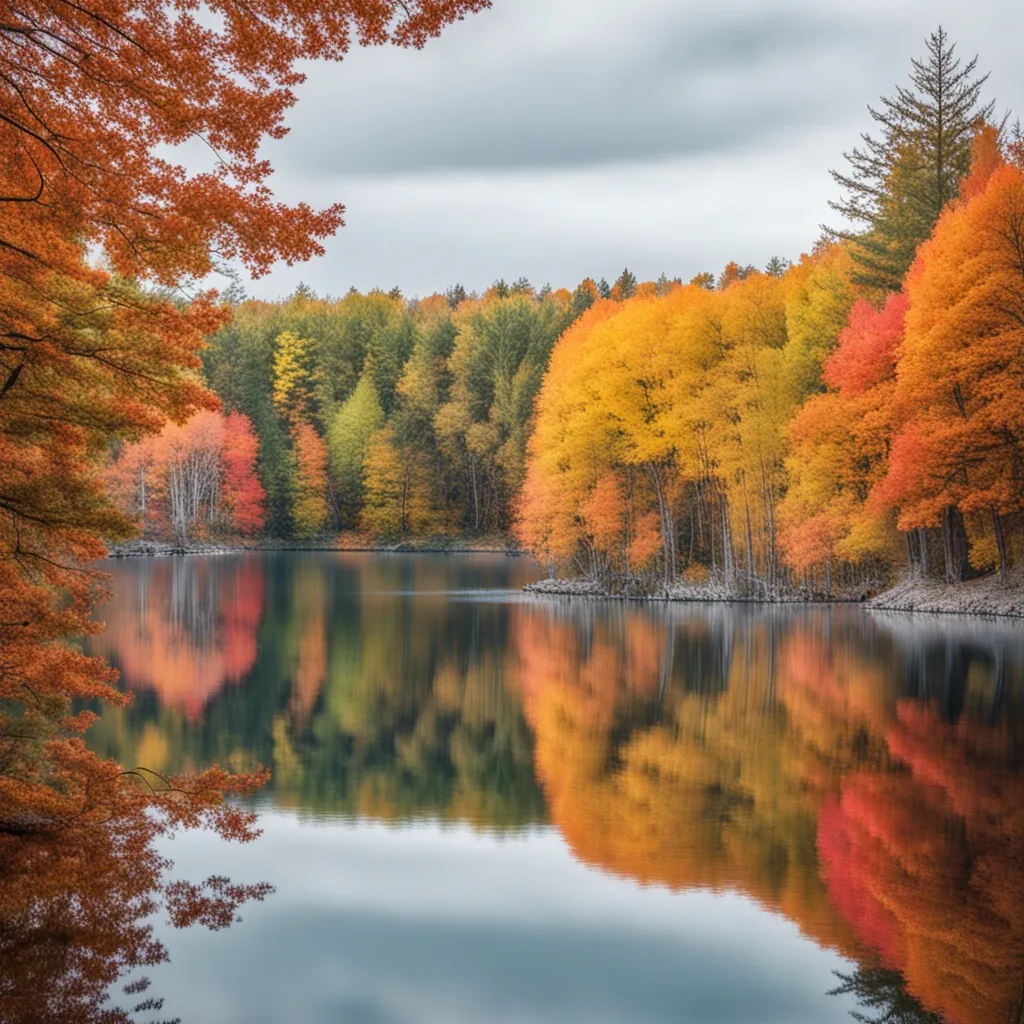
(822, 424)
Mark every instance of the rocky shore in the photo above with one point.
(707, 592)
(986, 596)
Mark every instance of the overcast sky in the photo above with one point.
(563, 138)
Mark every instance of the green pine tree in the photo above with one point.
(582, 298)
(625, 284)
(899, 181)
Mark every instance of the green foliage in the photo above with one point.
(900, 181)
(455, 295)
(818, 304)
(358, 419)
(883, 991)
(583, 297)
(625, 285)
(501, 351)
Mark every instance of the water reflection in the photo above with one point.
(860, 775)
(82, 879)
(185, 630)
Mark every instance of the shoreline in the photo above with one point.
(431, 546)
(701, 593)
(985, 597)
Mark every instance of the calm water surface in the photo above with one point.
(486, 807)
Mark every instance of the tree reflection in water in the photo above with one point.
(81, 879)
(861, 775)
(883, 992)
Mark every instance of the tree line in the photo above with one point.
(859, 410)
(371, 413)
(818, 423)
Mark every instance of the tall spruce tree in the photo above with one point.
(625, 285)
(899, 181)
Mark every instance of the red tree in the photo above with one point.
(243, 493)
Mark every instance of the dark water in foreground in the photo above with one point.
(492, 808)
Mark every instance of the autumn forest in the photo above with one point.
(827, 425)
(847, 417)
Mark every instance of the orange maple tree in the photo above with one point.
(89, 91)
(243, 493)
(957, 450)
(310, 510)
(91, 97)
(101, 227)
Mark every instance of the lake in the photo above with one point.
(491, 807)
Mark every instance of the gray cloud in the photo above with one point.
(561, 138)
(672, 83)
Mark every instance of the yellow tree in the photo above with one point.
(295, 377)
(570, 448)
(819, 296)
(747, 407)
(652, 357)
(396, 485)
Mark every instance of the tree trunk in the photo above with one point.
(476, 494)
(667, 526)
(700, 517)
(727, 555)
(997, 522)
(142, 499)
(750, 545)
(954, 539)
(333, 502)
(404, 522)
